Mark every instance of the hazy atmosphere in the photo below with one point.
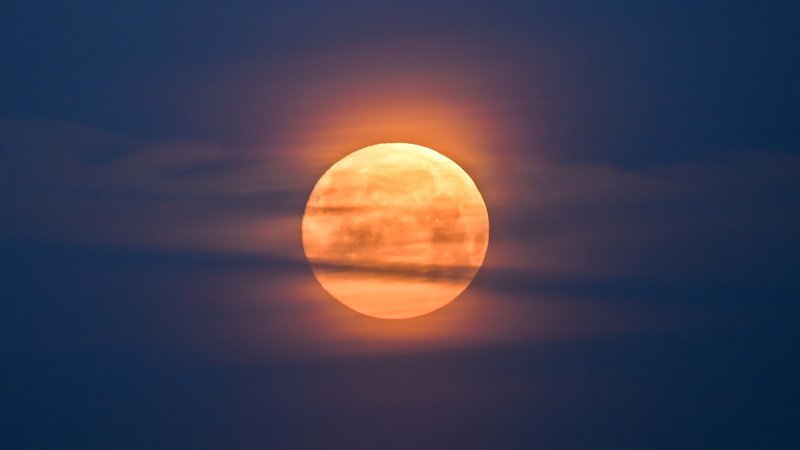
(639, 163)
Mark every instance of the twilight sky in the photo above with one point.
(639, 161)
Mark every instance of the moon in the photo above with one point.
(395, 231)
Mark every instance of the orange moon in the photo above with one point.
(395, 231)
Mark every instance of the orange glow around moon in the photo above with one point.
(395, 230)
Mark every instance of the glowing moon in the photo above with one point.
(395, 230)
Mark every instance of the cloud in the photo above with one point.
(72, 183)
(575, 249)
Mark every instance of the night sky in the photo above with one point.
(640, 162)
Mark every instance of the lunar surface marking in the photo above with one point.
(395, 230)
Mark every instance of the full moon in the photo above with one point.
(395, 231)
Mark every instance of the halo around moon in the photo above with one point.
(395, 231)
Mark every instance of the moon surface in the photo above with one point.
(395, 231)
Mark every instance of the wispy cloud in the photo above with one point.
(569, 243)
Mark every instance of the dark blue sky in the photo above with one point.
(639, 161)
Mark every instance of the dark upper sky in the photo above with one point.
(639, 161)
